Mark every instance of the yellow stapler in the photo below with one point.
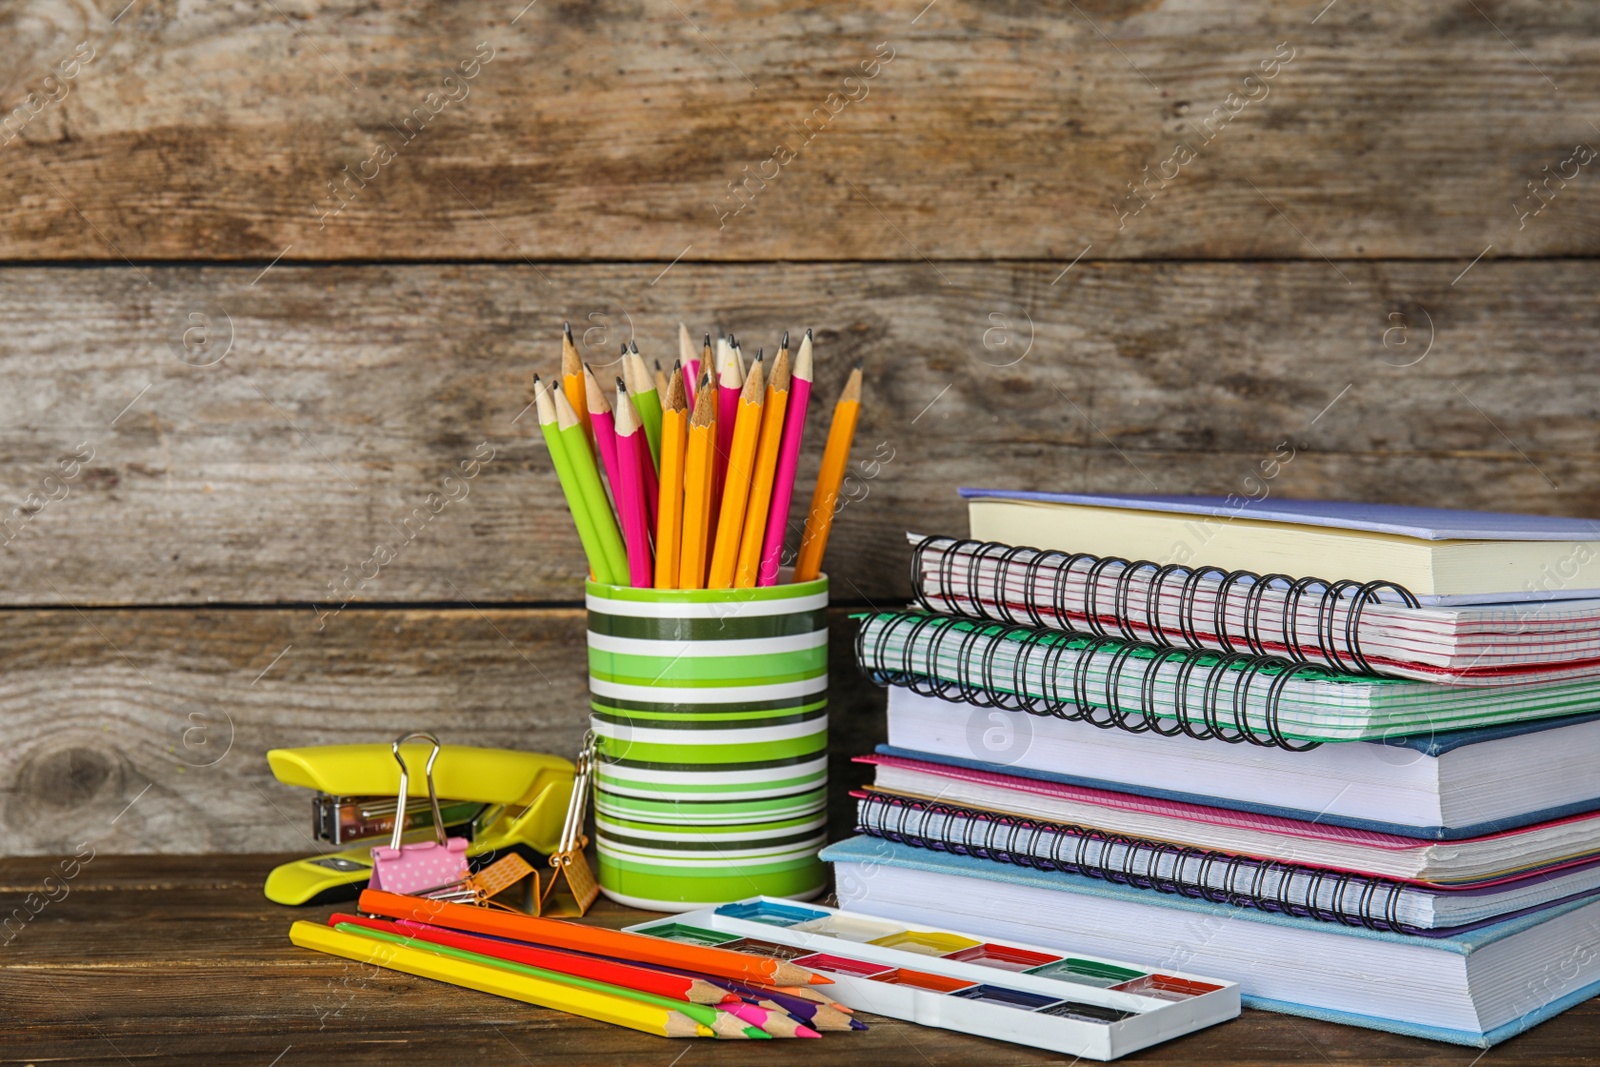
(498, 798)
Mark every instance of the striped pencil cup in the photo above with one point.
(710, 711)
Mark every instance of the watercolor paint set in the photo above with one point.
(1074, 1003)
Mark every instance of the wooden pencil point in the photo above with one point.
(594, 396)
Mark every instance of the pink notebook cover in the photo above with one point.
(1238, 819)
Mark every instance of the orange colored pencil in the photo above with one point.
(618, 944)
(669, 508)
(754, 534)
(835, 457)
(572, 381)
(736, 483)
(699, 471)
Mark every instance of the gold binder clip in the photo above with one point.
(571, 866)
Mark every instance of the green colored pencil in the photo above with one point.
(723, 1024)
(587, 477)
(571, 487)
(646, 400)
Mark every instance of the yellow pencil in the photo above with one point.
(835, 457)
(766, 468)
(699, 469)
(572, 380)
(604, 1007)
(669, 508)
(736, 482)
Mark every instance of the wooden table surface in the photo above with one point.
(181, 960)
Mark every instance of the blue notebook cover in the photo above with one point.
(1428, 524)
(868, 851)
(1420, 833)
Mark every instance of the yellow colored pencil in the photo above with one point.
(572, 380)
(669, 506)
(754, 535)
(603, 1007)
(736, 482)
(835, 457)
(699, 470)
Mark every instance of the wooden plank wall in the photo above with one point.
(268, 273)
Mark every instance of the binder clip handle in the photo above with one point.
(433, 796)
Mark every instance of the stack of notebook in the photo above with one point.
(1158, 733)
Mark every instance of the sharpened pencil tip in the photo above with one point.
(622, 387)
(759, 353)
(785, 338)
(708, 340)
(624, 348)
(808, 331)
(567, 327)
(857, 364)
(658, 364)
(536, 379)
(633, 346)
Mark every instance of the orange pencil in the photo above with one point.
(669, 510)
(766, 467)
(618, 944)
(835, 457)
(736, 483)
(699, 470)
(572, 381)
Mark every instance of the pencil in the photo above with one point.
(776, 1023)
(590, 1005)
(794, 430)
(753, 537)
(603, 426)
(571, 487)
(723, 1024)
(642, 388)
(736, 482)
(669, 508)
(699, 468)
(730, 381)
(835, 456)
(629, 491)
(663, 383)
(647, 468)
(644, 979)
(581, 458)
(555, 933)
(572, 380)
(691, 364)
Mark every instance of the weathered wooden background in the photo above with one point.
(268, 272)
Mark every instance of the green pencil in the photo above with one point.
(571, 488)
(723, 1024)
(646, 400)
(587, 477)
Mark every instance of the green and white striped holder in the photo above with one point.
(710, 711)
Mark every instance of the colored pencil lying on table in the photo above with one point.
(669, 507)
(835, 458)
(644, 979)
(581, 465)
(571, 488)
(621, 1011)
(794, 429)
(802, 1010)
(768, 445)
(699, 471)
(572, 380)
(555, 933)
(629, 490)
(736, 482)
(642, 389)
(722, 1024)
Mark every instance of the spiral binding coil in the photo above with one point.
(960, 563)
(1215, 876)
(1065, 684)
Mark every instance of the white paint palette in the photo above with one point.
(1074, 1003)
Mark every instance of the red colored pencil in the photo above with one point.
(556, 933)
(645, 980)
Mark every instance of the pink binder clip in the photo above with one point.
(421, 865)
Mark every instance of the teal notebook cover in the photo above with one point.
(869, 850)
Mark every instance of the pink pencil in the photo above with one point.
(730, 383)
(604, 423)
(652, 491)
(691, 365)
(629, 492)
(794, 428)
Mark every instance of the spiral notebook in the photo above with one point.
(1205, 695)
(1355, 627)
(1441, 555)
(1474, 988)
(1320, 893)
